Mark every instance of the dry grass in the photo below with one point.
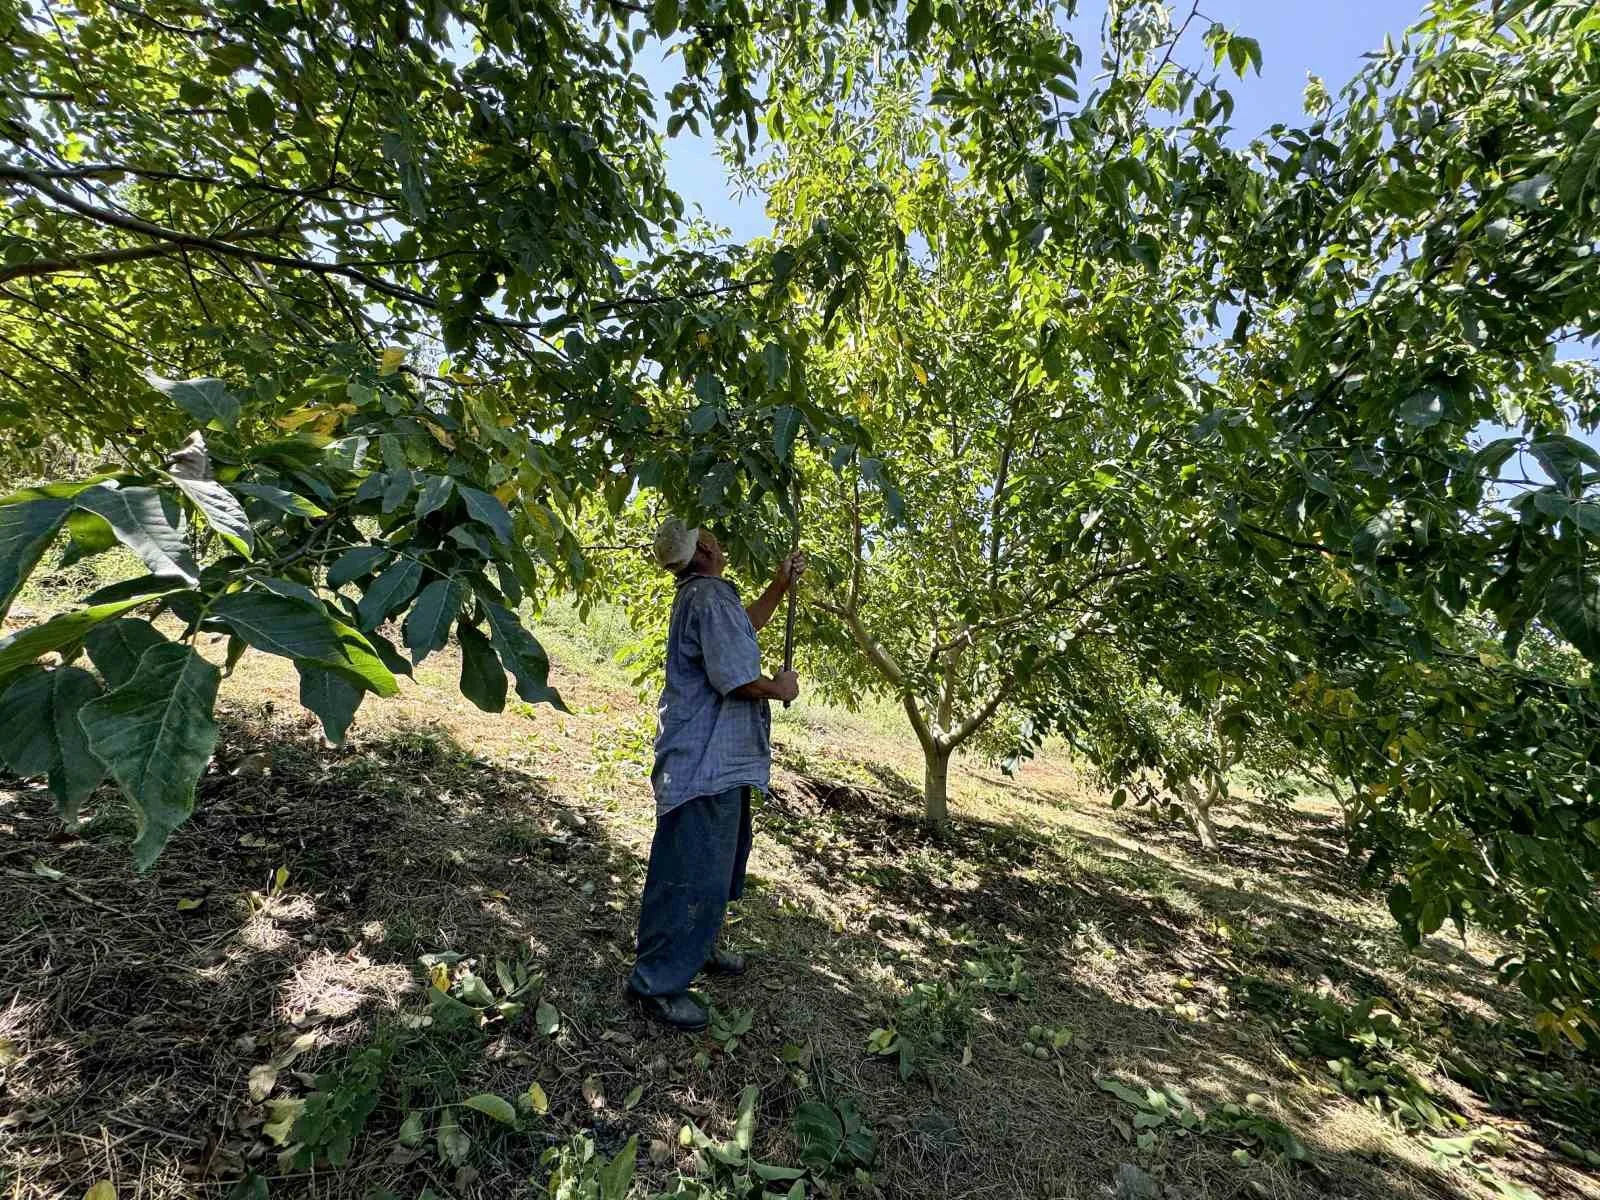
(135, 1008)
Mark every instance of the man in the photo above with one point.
(713, 748)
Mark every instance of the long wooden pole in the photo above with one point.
(794, 546)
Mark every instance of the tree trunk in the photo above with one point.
(936, 784)
(1199, 811)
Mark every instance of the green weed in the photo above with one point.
(579, 1172)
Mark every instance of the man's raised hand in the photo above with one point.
(790, 569)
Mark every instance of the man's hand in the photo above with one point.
(790, 569)
(782, 579)
(785, 686)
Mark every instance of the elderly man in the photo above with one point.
(713, 748)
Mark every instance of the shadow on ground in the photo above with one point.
(292, 911)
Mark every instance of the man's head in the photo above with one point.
(684, 550)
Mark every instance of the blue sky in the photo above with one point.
(1325, 37)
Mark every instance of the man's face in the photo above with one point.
(709, 558)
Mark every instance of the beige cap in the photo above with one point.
(675, 544)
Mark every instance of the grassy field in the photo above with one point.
(1049, 999)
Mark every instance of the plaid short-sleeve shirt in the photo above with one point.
(707, 739)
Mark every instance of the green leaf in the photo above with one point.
(397, 663)
(261, 109)
(63, 630)
(490, 1105)
(772, 1173)
(470, 537)
(744, 1123)
(616, 1176)
(284, 501)
(206, 400)
(332, 697)
(704, 418)
(819, 1135)
(1527, 193)
(397, 491)
(148, 586)
(40, 734)
(488, 510)
(547, 1019)
(155, 733)
(353, 564)
(427, 626)
(483, 679)
(116, 647)
(411, 1131)
(1563, 459)
(435, 495)
(145, 521)
(293, 629)
(222, 511)
(1424, 408)
(664, 17)
(785, 424)
(25, 531)
(389, 592)
(1572, 607)
(291, 589)
(776, 359)
(454, 1144)
(918, 22)
(523, 656)
(90, 535)
(1122, 1092)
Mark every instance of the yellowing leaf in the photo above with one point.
(439, 435)
(284, 1114)
(104, 1190)
(263, 1078)
(389, 362)
(299, 1046)
(537, 1100)
(506, 493)
(190, 903)
(490, 1105)
(439, 976)
(916, 369)
(291, 421)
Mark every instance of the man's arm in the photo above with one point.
(760, 612)
(785, 686)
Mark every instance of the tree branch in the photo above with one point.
(1099, 577)
(869, 645)
(975, 722)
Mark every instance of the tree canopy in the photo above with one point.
(1102, 410)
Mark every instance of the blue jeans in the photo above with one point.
(697, 864)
